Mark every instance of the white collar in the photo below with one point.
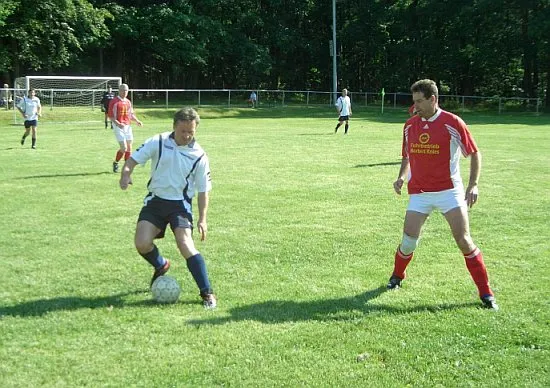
(435, 116)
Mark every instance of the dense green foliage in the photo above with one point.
(471, 47)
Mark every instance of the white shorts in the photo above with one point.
(123, 133)
(444, 200)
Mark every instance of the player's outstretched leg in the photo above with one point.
(159, 263)
(27, 132)
(478, 271)
(197, 267)
(401, 261)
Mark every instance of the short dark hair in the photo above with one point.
(425, 86)
(187, 114)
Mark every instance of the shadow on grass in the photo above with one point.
(64, 175)
(321, 310)
(68, 303)
(377, 164)
(39, 307)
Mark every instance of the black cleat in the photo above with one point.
(160, 271)
(394, 283)
(489, 302)
(115, 166)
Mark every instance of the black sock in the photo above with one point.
(347, 127)
(33, 141)
(154, 258)
(197, 267)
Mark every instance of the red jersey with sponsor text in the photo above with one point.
(121, 110)
(433, 147)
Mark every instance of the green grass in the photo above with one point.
(303, 226)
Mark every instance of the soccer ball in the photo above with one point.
(165, 289)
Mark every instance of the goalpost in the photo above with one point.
(57, 91)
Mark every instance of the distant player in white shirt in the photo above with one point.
(179, 169)
(343, 106)
(31, 110)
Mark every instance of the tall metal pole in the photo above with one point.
(334, 76)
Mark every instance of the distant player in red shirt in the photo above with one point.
(121, 114)
(433, 141)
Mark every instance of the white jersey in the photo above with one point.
(29, 107)
(177, 172)
(344, 105)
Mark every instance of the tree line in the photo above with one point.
(470, 47)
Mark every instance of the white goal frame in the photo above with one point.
(67, 90)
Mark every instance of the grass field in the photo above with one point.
(303, 225)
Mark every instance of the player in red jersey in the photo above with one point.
(433, 140)
(121, 114)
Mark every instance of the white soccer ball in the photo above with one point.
(165, 289)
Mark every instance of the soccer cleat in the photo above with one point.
(33, 147)
(209, 300)
(394, 283)
(489, 302)
(160, 271)
(115, 166)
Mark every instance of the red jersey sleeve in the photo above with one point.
(110, 111)
(468, 145)
(406, 127)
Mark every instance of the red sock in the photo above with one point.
(476, 266)
(127, 155)
(400, 263)
(119, 154)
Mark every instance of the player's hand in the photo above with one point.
(472, 194)
(203, 229)
(139, 123)
(125, 180)
(398, 185)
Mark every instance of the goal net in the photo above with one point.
(58, 91)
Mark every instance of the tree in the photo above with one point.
(49, 35)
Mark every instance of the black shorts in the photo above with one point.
(31, 123)
(343, 118)
(161, 212)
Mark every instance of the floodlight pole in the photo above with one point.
(334, 76)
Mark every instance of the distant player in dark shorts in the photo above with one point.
(343, 107)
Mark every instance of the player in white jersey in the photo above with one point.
(343, 107)
(31, 109)
(179, 169)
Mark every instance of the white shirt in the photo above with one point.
(180, 171)
(344, 105)
(29, 107)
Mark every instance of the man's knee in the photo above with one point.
(465, 243)
(143, 245)
(408, 244)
